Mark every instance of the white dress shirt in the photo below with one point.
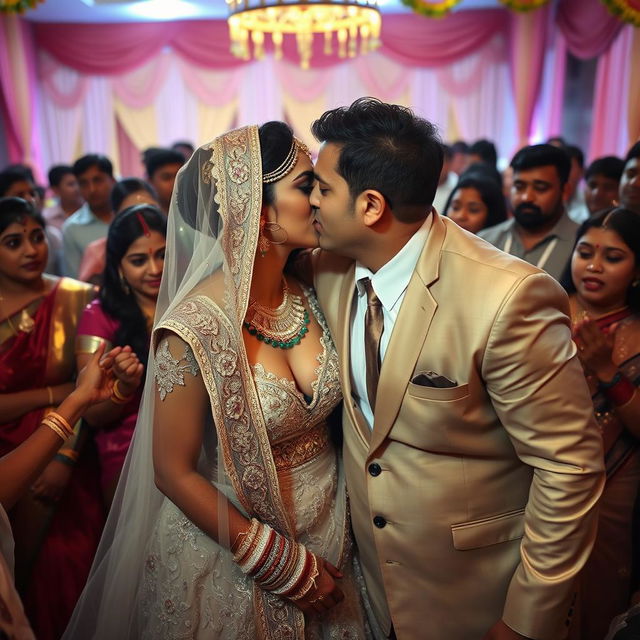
(390, 284)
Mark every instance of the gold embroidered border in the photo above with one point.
(296, 451)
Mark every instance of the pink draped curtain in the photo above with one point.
(409, 39)
(588, 27)
(611, 98)
(18, 91)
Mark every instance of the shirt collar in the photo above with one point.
(392, 279)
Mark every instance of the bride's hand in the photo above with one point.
(327, 593)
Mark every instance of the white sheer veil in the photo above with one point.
(199, 242)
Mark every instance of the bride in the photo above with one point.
(248, 536)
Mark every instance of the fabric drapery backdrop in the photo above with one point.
(152, 83)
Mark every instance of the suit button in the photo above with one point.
(375, 469)
(380, 522)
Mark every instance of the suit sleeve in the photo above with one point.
(539, 392)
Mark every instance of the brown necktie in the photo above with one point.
(373, 328)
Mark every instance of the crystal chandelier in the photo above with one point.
(354, 23)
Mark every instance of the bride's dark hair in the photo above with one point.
(276, 139)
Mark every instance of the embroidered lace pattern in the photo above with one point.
(169, 371)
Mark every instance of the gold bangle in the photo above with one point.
(117, 396)
(55, 428)
(50, 395)
(60, 422)
(70, 453)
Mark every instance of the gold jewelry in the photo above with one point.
(26, 324)
(288, 163)
(281, 325)
(50, 396)
(263, 242)
(272, 228)
(58, 424)
(117, 397)
(124, 284)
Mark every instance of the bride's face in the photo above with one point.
(291, 208)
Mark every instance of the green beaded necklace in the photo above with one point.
(279, 344)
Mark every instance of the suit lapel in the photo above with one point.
(344, 327)
(409, 333)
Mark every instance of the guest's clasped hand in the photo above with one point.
(595, 348)
(93, 385)
(127, 369)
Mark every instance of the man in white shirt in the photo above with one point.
(473, 472)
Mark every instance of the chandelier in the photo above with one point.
(354, 24)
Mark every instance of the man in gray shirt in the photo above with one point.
(91, 221)
(540, 231)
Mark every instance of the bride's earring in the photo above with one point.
(263, 241)
(277, 235)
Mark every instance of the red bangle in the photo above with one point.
(621, 392)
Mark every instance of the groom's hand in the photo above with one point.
(500, 631)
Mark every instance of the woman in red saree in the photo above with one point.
(605, 312)
(57, 525)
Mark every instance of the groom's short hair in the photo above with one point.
(388, 148)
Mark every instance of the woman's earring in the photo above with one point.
(124, 285)
(277, 235)
(263, 241)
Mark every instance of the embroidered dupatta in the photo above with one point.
(213, 329)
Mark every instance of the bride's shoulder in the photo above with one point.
(211, 287)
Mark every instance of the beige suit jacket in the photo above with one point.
(484, 494)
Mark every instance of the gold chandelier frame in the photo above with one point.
(355, 24)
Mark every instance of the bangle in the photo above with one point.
(50, 396)
(70, 453)
(117, 396)
(611, 383)
(61, 457)
(277, 564)
(58, 424)
(619, 390)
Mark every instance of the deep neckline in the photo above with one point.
(259, 370)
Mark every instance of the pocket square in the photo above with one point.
(433, 379)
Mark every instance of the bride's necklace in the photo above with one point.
(283, 327)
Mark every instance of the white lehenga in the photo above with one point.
(191, 587)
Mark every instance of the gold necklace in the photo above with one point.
(26, 323)
(282, 327)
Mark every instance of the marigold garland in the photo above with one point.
(17, 6)
(624, 10)
(431, 9)
(522, 6)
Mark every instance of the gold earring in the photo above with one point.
(124, 285)
(277, 234)
(263, 241)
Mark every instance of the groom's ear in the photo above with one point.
(371, 204)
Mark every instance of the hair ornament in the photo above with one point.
(289, 162)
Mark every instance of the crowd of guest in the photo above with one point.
(80, 275)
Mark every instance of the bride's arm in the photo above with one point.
(181, 406)
(177, 443)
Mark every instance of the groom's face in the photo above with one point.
(337, 224)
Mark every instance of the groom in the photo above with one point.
(472, 457)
